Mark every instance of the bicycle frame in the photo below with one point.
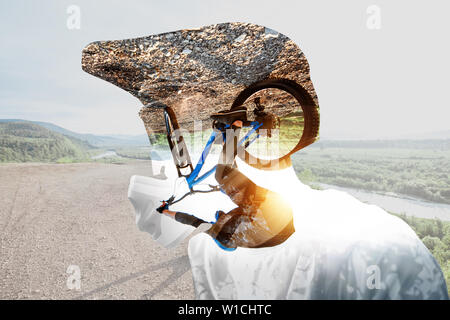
(193, 178)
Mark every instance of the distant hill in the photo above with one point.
(26, 141)
(95, 140)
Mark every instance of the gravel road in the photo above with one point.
(53, 216)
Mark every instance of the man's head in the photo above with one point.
(195, 71)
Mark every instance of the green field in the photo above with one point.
(421, 173)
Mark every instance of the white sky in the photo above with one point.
(381, 83)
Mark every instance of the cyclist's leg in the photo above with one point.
(226, 165)
(229, 149)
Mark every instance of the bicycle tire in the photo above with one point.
(311, 120)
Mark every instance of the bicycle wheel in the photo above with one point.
(177, 144)
(297, 122)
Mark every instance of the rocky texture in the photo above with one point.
(197, 71)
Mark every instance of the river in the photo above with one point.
(397, 204)
(109, 153)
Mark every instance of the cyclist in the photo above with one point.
(262, 218)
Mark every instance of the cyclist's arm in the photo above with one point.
(169, 213)
(184, 218)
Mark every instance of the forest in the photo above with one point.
(435, 235)
(29, 142)
(422, 173)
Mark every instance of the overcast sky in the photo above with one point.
(371, 83)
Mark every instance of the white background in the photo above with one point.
(390, 82)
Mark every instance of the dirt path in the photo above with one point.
(56, 215)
